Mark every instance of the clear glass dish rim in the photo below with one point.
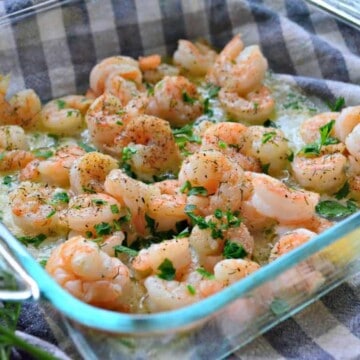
(117, 322)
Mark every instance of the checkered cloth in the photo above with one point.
(297, 40)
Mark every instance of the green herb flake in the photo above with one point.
(207, 109)
(191, 289)
(60, 197)
(88, 234)
(150, 223)
(7, 180)
(43, 153)
(43, 262)
(343, 192)
(185, 187)
(205, 273)
(222, 144)
(120, 249)
(88, 190)
(233, 250)
(103, 228)
(267, 136)
(213, 90)
(114, 209)
(265, 168)
(127, 153)
(32, 240)
(167, 270)
(2, 156)
(290, 157)
(330, 209)
(187, 98)
(184, 233)
(198, 190)
(337, 105)
(51, 214)
(60, 104)
(86, 147)
(99, 201)
(119, 123)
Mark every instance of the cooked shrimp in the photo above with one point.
(238, 69)
(154, 150)
(13, 137)
(207, 247)
(64, 116)
(89, 274)
(274, 199)
(22, 109)
(88, 172)
(289, 241)
(352, 142)
(194, 58)
(254, 107)
(230, 139)
(177, 251)
(123, 66)
(223, 180)
(230, 271)
(153, 76)
(269, 146)
(56, 169)
(86, 211)
(346, 121)
(15, 159)
(105, 120)
(34, 210)
(124, 90)
(150, 62)
(164, 295)
(324, 173)
(175, 99)
(309, 129)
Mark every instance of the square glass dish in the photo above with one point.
(52, 49)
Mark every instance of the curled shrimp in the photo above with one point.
(34, 209)
(15, 160)
(164, 295)
(194, 58)
(12, 137)
(153, 76)
(269, 146)
(88, 172)
(105, 120)
(153, 146)
(86, 211)
(352, 142)
(22, 109)
(238, 69)
(150, 62)
(177, 251)
(324, 173)
(209, 249)
(64, 116)
(175, 99)
(230, 138)
(223, 180)
(274, 199)
(115, 66)
(229, 271)
(254, 107)
(289, 241)
(346, 121)
(89, 274)
(56, 169)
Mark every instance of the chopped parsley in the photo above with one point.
(167, 270)
(268, 136)
(222, 144)
(185, 135)
(32, 240)
(114, 209)
(330, 209)
(265, 168)
(149, 88)
(43, 262)
(99, 201)
(61, 104)
(7, 180)
(51, 214)
(337, 105)
(61, 197)
(150, 223)
(291, 156)
(233, 250)
(86, 147)
(205, 274)
(212, 90)
(191, 289)
(125, 250)
(193, 190)
(207, 109)
(103, 228)
(127, 153)
(43, 153)
(343, 192)
(187, 98)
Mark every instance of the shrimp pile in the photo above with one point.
(153, 189)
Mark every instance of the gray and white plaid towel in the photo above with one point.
(296, 39)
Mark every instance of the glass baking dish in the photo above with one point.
(209, 329)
